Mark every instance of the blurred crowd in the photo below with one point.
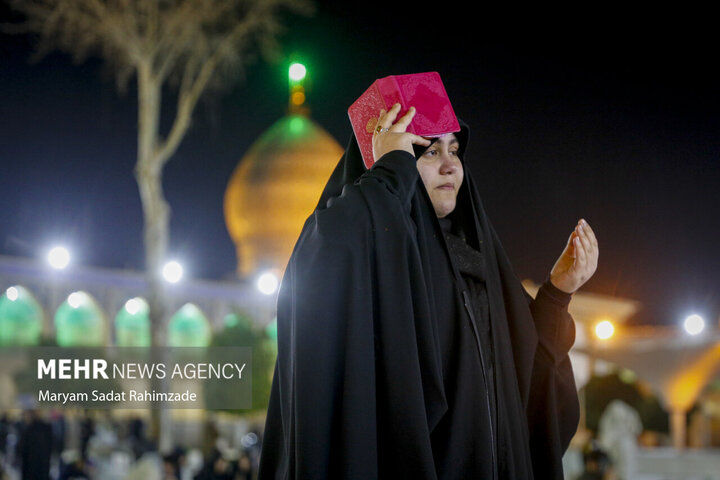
(42, 445)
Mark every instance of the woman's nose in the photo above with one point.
(448, 164)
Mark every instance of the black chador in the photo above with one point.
(407, 348)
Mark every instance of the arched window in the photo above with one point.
(21, 318)
(189, 327)
(79, 322)
(132, 324)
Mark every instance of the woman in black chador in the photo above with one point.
(407, 348)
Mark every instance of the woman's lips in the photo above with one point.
(446, 186)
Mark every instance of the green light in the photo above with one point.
(297, 72)
(189, 327)
(132, 324)
(627, 376)
(231, 320)
(271, 330)
(296, 125)
(21, 318)
(79, 322)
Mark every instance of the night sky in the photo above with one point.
(608, 115)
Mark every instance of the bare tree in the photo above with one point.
(190, 44)
(187, 43)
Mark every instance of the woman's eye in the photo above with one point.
(431, 153)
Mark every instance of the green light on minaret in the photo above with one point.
(297, 72)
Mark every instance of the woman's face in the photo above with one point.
(442, 173)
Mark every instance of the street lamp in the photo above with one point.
(694, 324)
(172, 271)
(604, 330)
(268, 283)
(58, 257)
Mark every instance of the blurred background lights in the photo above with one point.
(604, 330)
(297, 98)
(135, 305)
(58, 257)
(297, 72)
(249, 439)
(267, 283)
(694, 324)
(627, 376)
(172, 271)
(76, 299)
(12, 294)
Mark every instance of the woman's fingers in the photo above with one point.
(391, 136)
(386, 118)
(582, 235)
(580, 253)
(404, 121)
(590, 234)
(589, 242)
(418, 140)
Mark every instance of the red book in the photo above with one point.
(425, 91)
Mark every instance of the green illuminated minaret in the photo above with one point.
(296, 81)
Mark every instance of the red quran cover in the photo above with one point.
(425, 91)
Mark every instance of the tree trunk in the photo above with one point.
(156, 214)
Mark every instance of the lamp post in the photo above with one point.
(692, 325)
(58, 258)
(601, 331)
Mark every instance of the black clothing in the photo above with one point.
(74, 471)
(396, 359)
(35, 449)
(460, 441)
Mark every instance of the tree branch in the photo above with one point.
(192, 85)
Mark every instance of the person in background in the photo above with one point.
(35, 447)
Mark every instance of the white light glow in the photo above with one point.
(694, 324)
(58, 257)
(172, 271)
(135, 305)
(267, 283)
(248, 440)
(76, 299)
(604, 330)
(297, 72)
(12, 294)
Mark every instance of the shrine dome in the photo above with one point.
(276, 186)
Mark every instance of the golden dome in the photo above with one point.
(274, 188)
